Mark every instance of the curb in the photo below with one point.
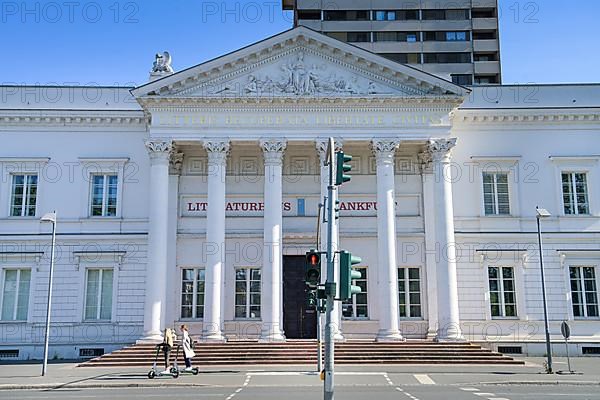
(540, 383)
(57, 386)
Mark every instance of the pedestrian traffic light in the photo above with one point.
(342, 168)
(313, 269)
(311, 300)
(347, 275)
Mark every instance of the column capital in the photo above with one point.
(322, 143)
(384, 150)
(159, 149)
(273, 150)
(217, 151)
(440, 149)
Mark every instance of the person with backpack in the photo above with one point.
(167, 346)
(188, 348)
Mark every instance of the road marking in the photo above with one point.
(311, 373)
(497, 398)
(484, 394)
(424, 379)
(470, 389)
(238, 390)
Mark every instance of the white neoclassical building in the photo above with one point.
(192, 199)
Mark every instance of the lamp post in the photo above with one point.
(543, 213)
(50, 217)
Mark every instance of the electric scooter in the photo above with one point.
(175, 368)
(154, 372)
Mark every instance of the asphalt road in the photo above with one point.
(374, 387)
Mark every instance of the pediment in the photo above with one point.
(299, 63)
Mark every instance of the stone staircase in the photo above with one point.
(304, 352)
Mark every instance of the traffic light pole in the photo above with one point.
(330, 282)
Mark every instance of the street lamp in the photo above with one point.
(50, 217)
(543, 213)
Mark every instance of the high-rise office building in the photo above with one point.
(455, 39)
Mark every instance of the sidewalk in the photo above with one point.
(27, 376)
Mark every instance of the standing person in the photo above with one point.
(167, 345)
(188, 351)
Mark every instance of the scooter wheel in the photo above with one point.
(175, 374)
(173, 370)
(195, 371)
(151, 375)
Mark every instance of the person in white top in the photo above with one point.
(188, 351)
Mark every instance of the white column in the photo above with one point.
(214, 247)
(172, 311)
(336, 315)
(156, 270)
(448, 317)
(271, 291)
(387, 269)
(429, 251)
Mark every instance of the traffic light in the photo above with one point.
(347, 275)
(342, 168)
(313, 269)
(311, 299)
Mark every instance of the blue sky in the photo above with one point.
(114, 41)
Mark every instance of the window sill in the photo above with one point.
(505, 319)
(87, 219)
(97, 321)
(20, 322)
(248, 319)
(357, 319)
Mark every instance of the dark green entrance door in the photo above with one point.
(298, 321)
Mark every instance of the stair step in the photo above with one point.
(304, 353)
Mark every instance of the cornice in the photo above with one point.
(315, 104)
(72, 118)
(527, 116)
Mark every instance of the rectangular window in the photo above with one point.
(396, 15)
(495, 194)
(462, 79)
(104, 195)
(404, 58)
(584, 292)
(359, 36)
(192, 293)
(247, 293)
(440, 15)
(444, 36)
(98, 294)
(409, 37)
(503, 301)
(24, 195)
(447, 58)
(15, 294)
(575, 193)
(347, 15)
(409, 292)
(356, 307)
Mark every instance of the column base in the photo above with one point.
(213, 338)
(449, 337)
(271, 335)
(339, 337)
(151, 338)
(386, 335)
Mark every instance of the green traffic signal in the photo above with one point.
(313, 269)
(347, 275)
(311, 299)
(342, 168)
